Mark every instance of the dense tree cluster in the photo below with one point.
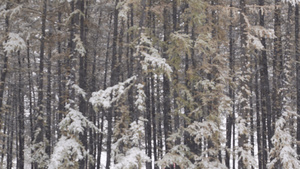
(137, 84)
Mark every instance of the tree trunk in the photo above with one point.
(265, 93)
(277, 71)
(244, 83)
(229, 120)
(4, 70)
(148, 123)
(48, 104)
(40, 120)
(297, 72)
(113, 81)
(166, 84)
(21, 119)
(159, 119)
(82, 82)
(258, 119)
(61, 80)
(133, 116)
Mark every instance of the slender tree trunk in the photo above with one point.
(82, 82)
(130, 36)
(244, 83)
(113, 81)
(4, 138)
(61, 82)
(21, 119)
(297, 72)
(166, 84)
(148, 123)
(120, 53)
(31, 113)
(153, 102)
(258, 119)
(5, 62)
(265, 93)
(104, 87)
(10, 137)
(251, 111)
(159, 119)
(40, 120)
(229, 121)
(48, 130)
(277, 67)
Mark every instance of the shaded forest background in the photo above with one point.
(149, 84)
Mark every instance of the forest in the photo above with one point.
(149, 84)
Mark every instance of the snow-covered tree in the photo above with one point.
(133, 153)
(69, 150)
(283, 154)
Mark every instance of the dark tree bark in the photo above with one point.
(9, 160)
(5, 62)
(21, 118)
(166, 84)
(130, 36)
(82, 82)
(265, 93)
(113, 81)
(297, 72)
(120, 52)
(31, 111)
(229, 120)
(277, 77)
(244, 83)
(148, 123)
(61, 79)
(153, 103)
(48, 130)
(40, 119)
(159, 119)
(258, 119)
(100, 137)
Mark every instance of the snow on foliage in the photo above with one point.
(66, 153)
(245, 155)
(205, 129)
(69, 150)
(79, 90)
(293, 2)
(111, 95)
(254, 41)
(182, 42)
(241, 126)
(79, 45)
(38, 154)
(14, 43)
(283, 153)
(137, 131)
(152, 56)
(132, 156)
(13, 12)
(204, 161)
(75, 122)
(77, 11)
(263, 32)
(208, 130)
(177, 155)
(140, 98)
(124, 7)
(225, 104)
